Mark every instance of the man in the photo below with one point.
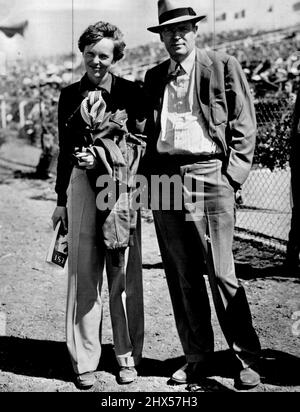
(201, 126)
(293, 246)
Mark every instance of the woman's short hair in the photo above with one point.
(100, 30)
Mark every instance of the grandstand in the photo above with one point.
(256, 15)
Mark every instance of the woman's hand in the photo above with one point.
(60, 213)
(86, 160)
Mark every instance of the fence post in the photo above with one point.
(3, 113)
(22, 105)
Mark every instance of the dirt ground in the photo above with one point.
(33, 356)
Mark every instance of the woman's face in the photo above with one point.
(98, 58)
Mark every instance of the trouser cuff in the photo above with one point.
(129, 361)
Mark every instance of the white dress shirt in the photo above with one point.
(182, 130)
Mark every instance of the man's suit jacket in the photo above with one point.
(295, 136)
(227, 109)
(294, 160)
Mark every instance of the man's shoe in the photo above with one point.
(247, 378)
(181, 375)
(189, 372)
(86, 380)
(127, 374)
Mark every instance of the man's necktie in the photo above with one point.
(173, 75)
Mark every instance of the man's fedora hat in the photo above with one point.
(173, 11)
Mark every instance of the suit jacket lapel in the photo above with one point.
(202, 80)
(162, 81)
(160, 84)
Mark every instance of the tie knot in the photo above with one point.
(178, 69)
(174, 74)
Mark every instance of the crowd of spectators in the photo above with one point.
(271, 66)
(271, 62)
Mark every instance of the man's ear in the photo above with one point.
(195, 28)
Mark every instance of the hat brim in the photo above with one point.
(158, 29)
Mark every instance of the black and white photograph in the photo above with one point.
(149, 200)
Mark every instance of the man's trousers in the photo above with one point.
(293, 245)
(198, 240)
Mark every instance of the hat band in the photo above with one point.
(173, 14)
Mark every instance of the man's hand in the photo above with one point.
(60, 213)
(238, 197)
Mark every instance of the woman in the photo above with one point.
(101, 45)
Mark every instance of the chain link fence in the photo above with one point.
(265, 211)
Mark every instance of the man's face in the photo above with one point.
(98, 58)
(179, 39)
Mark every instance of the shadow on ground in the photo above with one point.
(50, 360)
(279, 368)
(149, 266)
(246, 271)
(38, 358)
